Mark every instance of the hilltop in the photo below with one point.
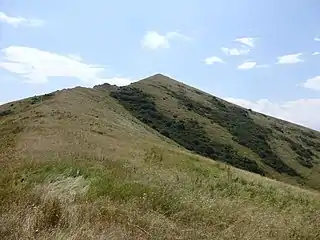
(156, 159)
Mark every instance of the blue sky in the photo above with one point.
(259, 54)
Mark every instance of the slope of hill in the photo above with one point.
(111, 163)
(225, 132)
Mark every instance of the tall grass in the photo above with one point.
(157, 195)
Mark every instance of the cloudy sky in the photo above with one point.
(263, 55)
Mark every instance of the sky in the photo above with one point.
(263, 55)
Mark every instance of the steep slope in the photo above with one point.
(76, 164)
(225, 132)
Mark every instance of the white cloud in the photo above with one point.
(262, 66)
(312, 83)
(290, 59)
(37, 66)
(247, 65)
(213, 59)
(303, 111)
(315, 53)
(317, 39)
(247, 44)
(20, 21)
(235, 51)
(249, 41)
(154, 40)
(76, 57)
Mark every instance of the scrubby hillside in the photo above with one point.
(111, 163)
(225, 132)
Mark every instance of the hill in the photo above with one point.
(225, 132)
(147, 161)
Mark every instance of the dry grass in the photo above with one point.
(172, 198)
(81, 173)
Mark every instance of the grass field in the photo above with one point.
(77, 165)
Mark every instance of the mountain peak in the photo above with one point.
(159, 75)
(161, 79)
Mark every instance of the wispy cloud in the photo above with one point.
(37, 66)
(301, 111)
(315, 53)
(249, 41)
(290, 59)
(247, 44)
(247, 65)
(213, 59)
(235, 51)
(20, 21)
(317, 39)
(153, 40)
(312, 83)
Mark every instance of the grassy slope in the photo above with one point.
(282, 150)
(77, 165)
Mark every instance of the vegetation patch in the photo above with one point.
(238, 122)
(310, 143)
(188, 133)
(304, 155)
(9, 130)
(6, 112)
(278, 128)
(309, 134)
(41, 98)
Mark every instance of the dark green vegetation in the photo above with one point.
(41, 98)
(252, 141)
(193, 137)
(310, 143)
(238, 122)
(304, 155)
(187, 133)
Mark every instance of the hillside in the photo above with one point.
(147, 161)
(225, 132)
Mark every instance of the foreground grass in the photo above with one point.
(157, 194)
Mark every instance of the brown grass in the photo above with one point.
(87, 170)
